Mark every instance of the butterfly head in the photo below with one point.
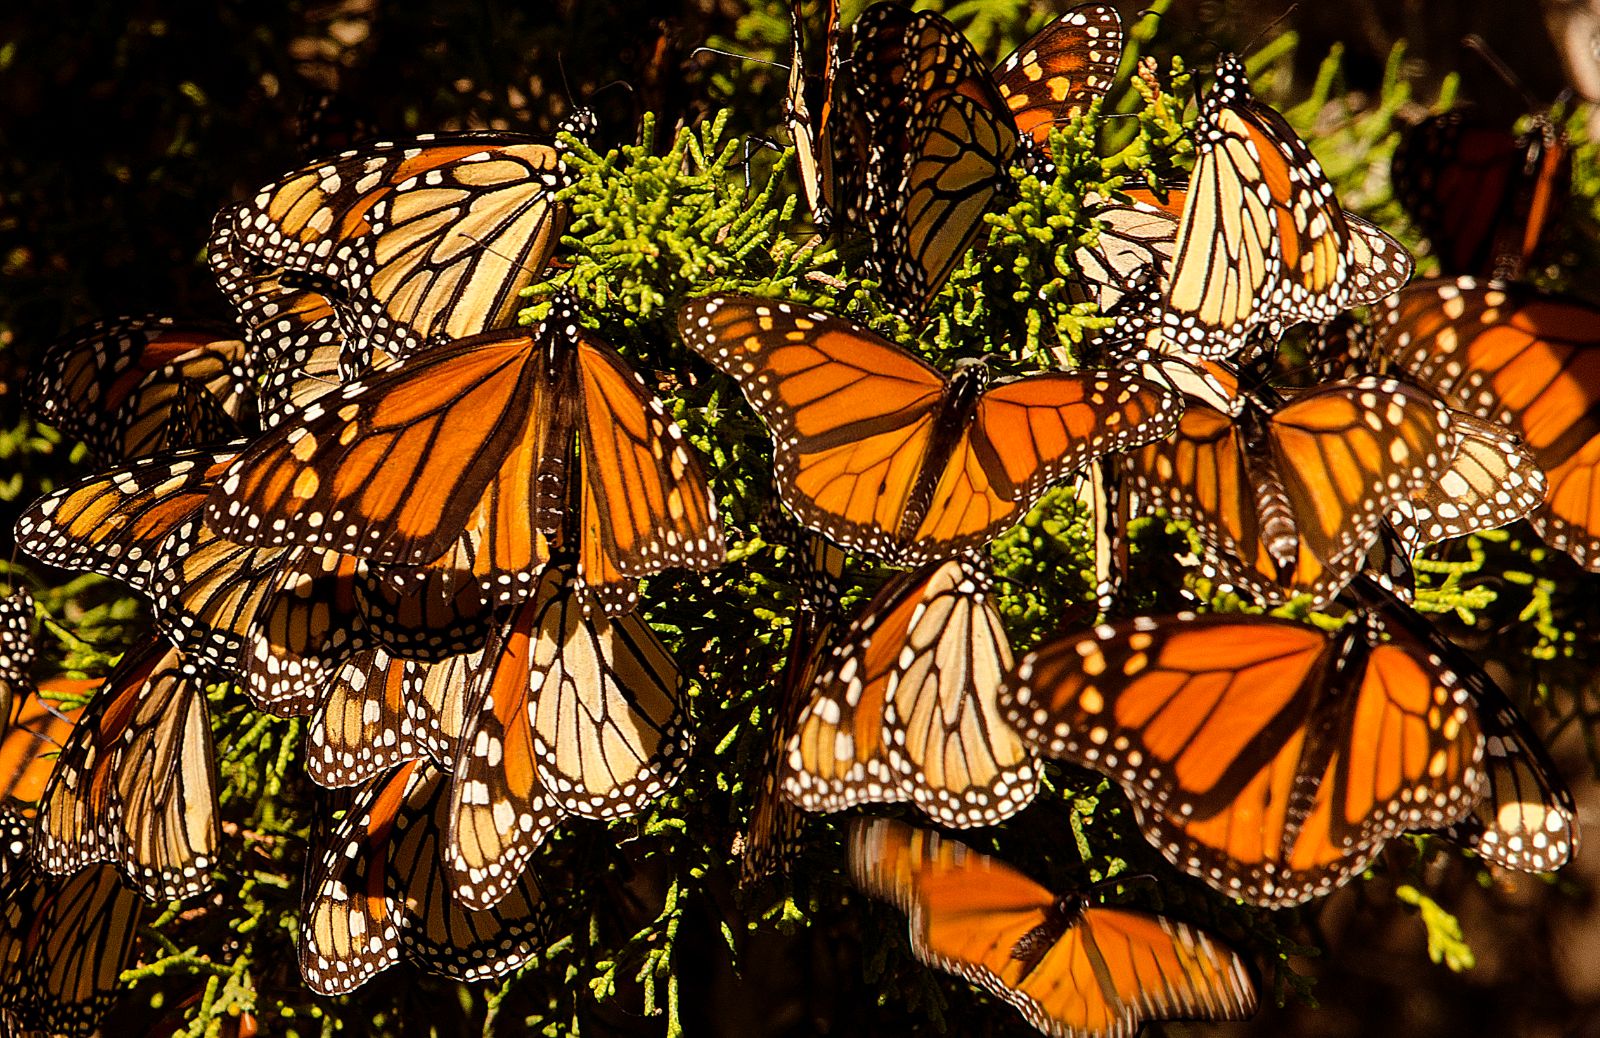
(580, 123)
(1231, 84)
(969, 379)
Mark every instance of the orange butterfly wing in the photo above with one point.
(1061, 69)
(1528, 361)
(852, 417)
(1247, 764)
(646, 505)
(113, 524)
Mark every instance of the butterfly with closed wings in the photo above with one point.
(1261, 242)
(915, 134)
(903, 708)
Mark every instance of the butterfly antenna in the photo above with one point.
(739, 57)
(1247, 48)
(566, 84)
(597, 91)
(1480, 46)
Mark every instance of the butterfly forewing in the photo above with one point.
(1064, 67)
(430, 239)
(114, 524)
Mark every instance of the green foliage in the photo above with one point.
(1444, 930)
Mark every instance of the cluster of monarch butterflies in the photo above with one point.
(376, 503)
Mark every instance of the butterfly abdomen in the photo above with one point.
(961, 397)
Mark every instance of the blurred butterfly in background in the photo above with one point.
(1261, 242)
(883, 454)
(927, 132)
(488, 425)
(1526, 360)
(138, 386)
(903, 707)
(1482, 195)
(418, 241)
(135, 785)
(376, 891)
(1074, 969)
(1266, 757)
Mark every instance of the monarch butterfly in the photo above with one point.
(487, 425)
(1266, 757)
(1527, 821)
(16, 647)
(882, 453)
(140, 385)
(1290, 501)
(773, 832)
(63, 943)
(425, 240)
(1136, 246)
(114, 523)
(293, 331)
(934, 130)
(381, 712)
(1483, 197)
(135, 785)
(37, 729)
(822, 166)
(935, 140)
(568, 715)
(904, 708)
(1262, 242)
(1522, 358)
(1074, 969)
(376, 891)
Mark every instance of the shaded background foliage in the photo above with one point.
(126, 127)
